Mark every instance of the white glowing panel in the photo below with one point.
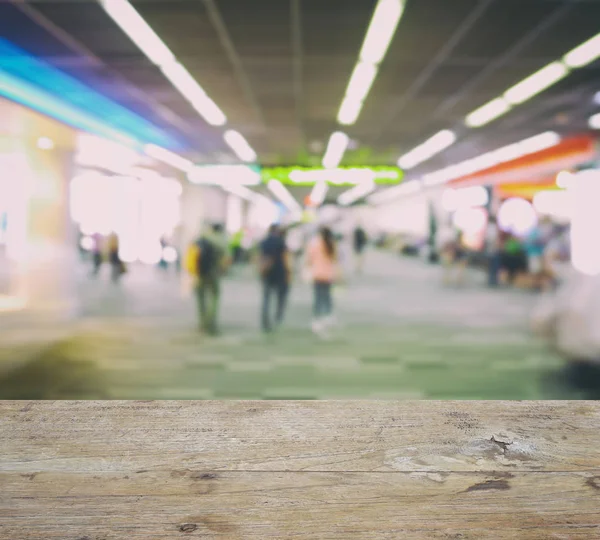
(87, 243)
(139, 211)
(97, 152)
(409, 216)
(45, 143)
(169, 254)
(15, 189)
(92, 195)
(564, 179)
(556, 204)
(586, 222)
(470, 220)
(223, 175)
(233, 222)
(263, 213)
(455, 199)
(517, 216)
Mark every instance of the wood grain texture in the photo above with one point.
(317, 470)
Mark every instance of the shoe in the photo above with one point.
(319, 328)
(331, 321)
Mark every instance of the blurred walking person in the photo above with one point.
(275, 271)
(206, 261)
(454, 258)
(535, 246)
(493, 252)
(117, 266)
(97, 253)
(360, 241)
(322, 261)
(235, 245)
(163, 264)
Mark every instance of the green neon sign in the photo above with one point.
(342, 176)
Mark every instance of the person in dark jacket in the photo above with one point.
(360, 241)
(275, 274)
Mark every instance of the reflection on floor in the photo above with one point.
(403, 336)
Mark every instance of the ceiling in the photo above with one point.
(279, 69)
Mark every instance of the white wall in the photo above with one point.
(200, 205)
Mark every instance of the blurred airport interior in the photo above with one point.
(416, 183)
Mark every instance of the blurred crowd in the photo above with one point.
(313, 255)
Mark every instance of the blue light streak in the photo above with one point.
(35, 84)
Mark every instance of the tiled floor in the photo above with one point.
(403, 336)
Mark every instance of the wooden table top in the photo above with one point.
(101, 470)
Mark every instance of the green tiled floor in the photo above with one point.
(403, 336)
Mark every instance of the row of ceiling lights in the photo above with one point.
(382, 28)
(140, 32)
(471, 166)
(381, 31)
(378, 38)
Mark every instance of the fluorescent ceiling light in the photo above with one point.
(585, 54)
(319, 192)
(210, 111)
(340, 176)
(182, 80)
(338, 142)
(170, 158)
(361, 81)
(349, 112)
(239, 145)
(377, 40)
(240, 191)
(490, 159)
(488, 112)
(220, 175)
(132, 23)
(390, 194)
(536, 83)
(193, 92)
(279, 190)
(357, 192)
(138, 30)
(529, 146)
(432, 146)
(383, 26)
(595, 121)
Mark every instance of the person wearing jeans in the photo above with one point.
(323, 263)
(275, 272)
(280, 290)
(492, 248)
(323, 306)
(208, 293)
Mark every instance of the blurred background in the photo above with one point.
(432, 167)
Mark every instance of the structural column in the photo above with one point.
(46, 262)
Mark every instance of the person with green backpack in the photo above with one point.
(515, 261)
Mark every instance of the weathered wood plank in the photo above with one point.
(373, 470)
(307, 436)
